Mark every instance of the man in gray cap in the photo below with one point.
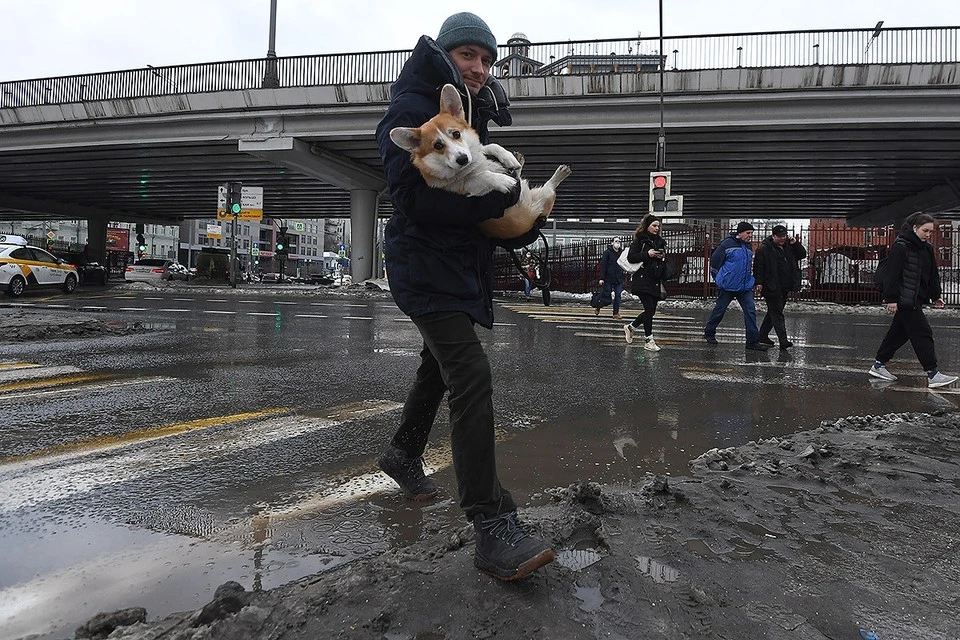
(441, 275)
(730, 264)
(777, 272)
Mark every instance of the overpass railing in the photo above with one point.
(910, 45)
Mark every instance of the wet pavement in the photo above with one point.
(236, 439)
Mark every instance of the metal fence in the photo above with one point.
(839, 266)
(909, 45)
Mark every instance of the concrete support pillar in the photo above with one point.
(363, 216)
(97, 239)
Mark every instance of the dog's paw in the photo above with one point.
(519, 157)
(503, 182)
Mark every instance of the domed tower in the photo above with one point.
(519, 44)
(517, 62)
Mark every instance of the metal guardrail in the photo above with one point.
(839, 266)
(911, 45)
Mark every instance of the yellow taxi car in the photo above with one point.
(24, 267)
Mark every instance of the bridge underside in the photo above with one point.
(868, 155)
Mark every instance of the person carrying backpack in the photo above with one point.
(910, 280)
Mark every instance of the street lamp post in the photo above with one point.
(271, 79)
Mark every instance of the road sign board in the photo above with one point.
(299, 226)
(214, 231)
(51, 235)
(251, 203)
(254, 251)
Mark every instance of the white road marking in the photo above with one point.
(92, 308)
(356, 318)
(228, 313)
(132, 309)
(177, 310)
(308, 315)
(33, 373)
(32, 482)
(260, 313)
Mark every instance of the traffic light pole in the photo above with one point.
(233, 252)
(662, 137)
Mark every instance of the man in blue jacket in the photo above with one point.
(732, 267)
(441, 275)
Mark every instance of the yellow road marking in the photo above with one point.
(17, 365)
(52, 382)
(153, 433)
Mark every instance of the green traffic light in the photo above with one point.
(279, 246)
(235, 209)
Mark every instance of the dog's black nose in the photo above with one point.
(462, 159)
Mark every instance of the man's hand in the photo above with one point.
(938, 303)
(759, 289)
(891, 307)
(601, 282)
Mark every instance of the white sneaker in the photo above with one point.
(881, 372)
(650, 345)
(940, 380)
(628, 333)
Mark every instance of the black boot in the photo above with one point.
(505, 550)
(408, 473)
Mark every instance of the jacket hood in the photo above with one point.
(429, 67)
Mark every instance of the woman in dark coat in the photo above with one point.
(911, 280)
(650, 250)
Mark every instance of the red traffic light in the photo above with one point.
(659, 182)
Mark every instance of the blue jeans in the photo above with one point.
(745, 298)
(527, 288)
(615, 290)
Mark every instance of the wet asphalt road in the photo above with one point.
(237, 439)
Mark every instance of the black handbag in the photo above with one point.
(669, 271)
(601, 298)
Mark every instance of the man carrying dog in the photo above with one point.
(730, 264)
(441, 275)
(776, 269)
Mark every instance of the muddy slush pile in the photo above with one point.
(853, 525)
(23, 326)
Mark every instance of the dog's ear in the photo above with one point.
(406, 137)
(450, 101)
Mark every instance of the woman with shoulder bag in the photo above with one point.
(911, 280)
(650, 250)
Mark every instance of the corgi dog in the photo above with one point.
(447, 152)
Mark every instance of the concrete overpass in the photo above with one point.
(867, 142)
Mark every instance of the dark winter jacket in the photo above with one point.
(610, 271)
(730, 264)
(436, 257)
(647, 278)
(912, 277)
(772, 261)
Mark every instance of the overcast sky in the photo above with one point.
(40, 38)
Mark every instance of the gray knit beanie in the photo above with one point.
(466, 28)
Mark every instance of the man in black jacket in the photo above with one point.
(776, 269)
(441, 275)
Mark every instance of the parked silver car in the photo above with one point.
(156, 270)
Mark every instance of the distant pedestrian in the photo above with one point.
(730, 265)
(530, 269)
(650, 250)
(911, 280)
(611, 276)
(776, 269)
